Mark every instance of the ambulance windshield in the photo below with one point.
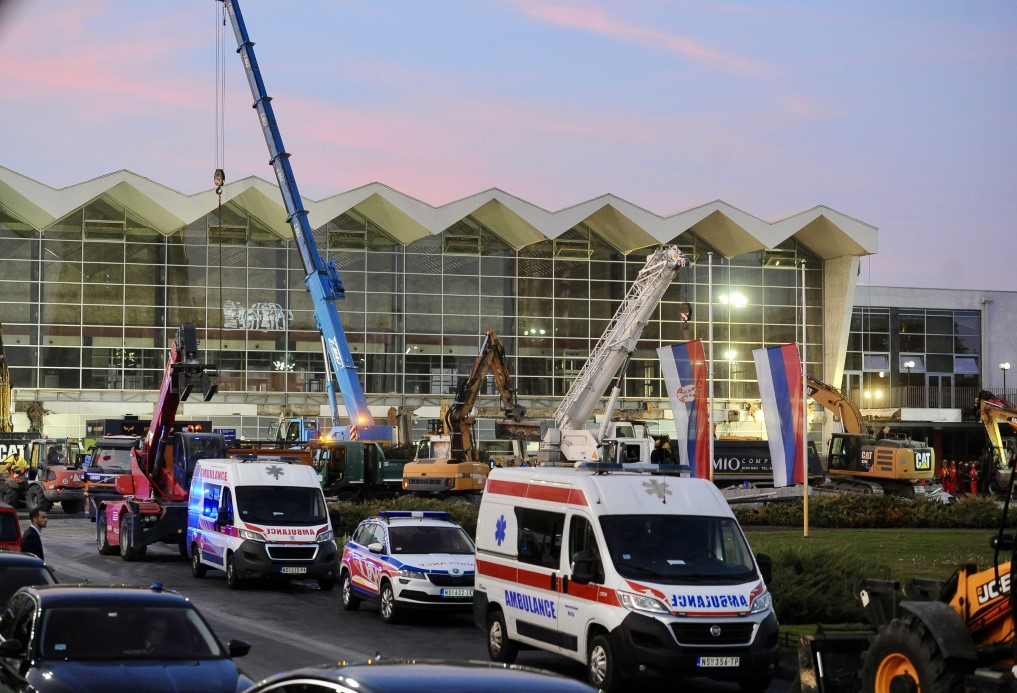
(282, 505)
(676, 549)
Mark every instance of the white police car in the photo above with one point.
(408, 559)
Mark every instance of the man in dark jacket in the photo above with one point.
(31, 540)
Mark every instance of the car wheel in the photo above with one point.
(198, 569)
(36, 498)
(350, 601)
(100, 534)
(232, 579)
(387, 608)
(499, 646)
(601, 666)
(128, 551)
(326, 584)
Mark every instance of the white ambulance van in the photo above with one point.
(259, 519)
(640, 575)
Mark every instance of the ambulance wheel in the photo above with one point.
(100, 533)
(499, 647)
(198, 569)
(128, 551)
(36, 498)
(387, 608)
(601, 669)
(350, 601)
(232, 579)
(904, 656)
(72, 507)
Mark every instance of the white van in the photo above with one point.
(259, 519)
(640, 575)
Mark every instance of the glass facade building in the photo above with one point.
(96, 294)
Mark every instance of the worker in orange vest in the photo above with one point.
(974, 478)
(950, 478)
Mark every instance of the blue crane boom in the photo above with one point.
(322, 280)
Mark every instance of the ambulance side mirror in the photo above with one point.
(585, 567)
(376, 547)
(765, 566)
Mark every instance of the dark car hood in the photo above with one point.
(182, 676)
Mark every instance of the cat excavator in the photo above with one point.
(862, 463)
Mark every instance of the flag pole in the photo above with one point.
(805, 412)
(709, 404)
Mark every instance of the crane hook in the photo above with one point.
(219, 178)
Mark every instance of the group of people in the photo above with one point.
(14, 463)
(959, 477)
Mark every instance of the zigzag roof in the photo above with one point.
(626, 226)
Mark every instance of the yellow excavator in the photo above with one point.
(998, 459)
(448, 462)
(860, 462)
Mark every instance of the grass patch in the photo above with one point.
(908, 553)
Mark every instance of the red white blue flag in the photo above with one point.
(779, 369)
(684, 369)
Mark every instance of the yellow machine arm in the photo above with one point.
(994, 411)
(835, 401)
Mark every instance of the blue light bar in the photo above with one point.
(427, 514)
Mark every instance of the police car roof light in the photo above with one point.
(429, 514)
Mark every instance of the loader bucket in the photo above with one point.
(829, 662)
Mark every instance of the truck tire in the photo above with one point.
(387, 607)
(72, 507)
(904, 656)
(128, 551)
(9, 495)
(500, 647)
(36, 498)
(105, 549)
(350, 601)
(602, 665)
(198, 569)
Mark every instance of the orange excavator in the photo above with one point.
(998, 458)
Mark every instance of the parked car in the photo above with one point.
(396, 676)
(408, 559)
(86, 638)
(18, 569)
(10, 528)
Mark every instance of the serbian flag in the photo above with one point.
(780, 385)
(684, 369)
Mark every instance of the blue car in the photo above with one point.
(82, 638)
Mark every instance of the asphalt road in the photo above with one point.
(290, 625)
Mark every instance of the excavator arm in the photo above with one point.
(457, 421)
(835, 401)
(994, 411)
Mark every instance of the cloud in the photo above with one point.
(602, 22)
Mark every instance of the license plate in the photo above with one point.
(457, 592)
(717, 662)
(293, 570)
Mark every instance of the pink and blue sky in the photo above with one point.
(900, 114)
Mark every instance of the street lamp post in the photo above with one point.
(1005, 366)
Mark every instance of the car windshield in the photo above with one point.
(14, 577)
(433, 539)
(678, 549)
(282, 505)
(125, 632)
(111, 461)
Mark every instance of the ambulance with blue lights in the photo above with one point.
(638, 572)
(408, 560)
(259, 518)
